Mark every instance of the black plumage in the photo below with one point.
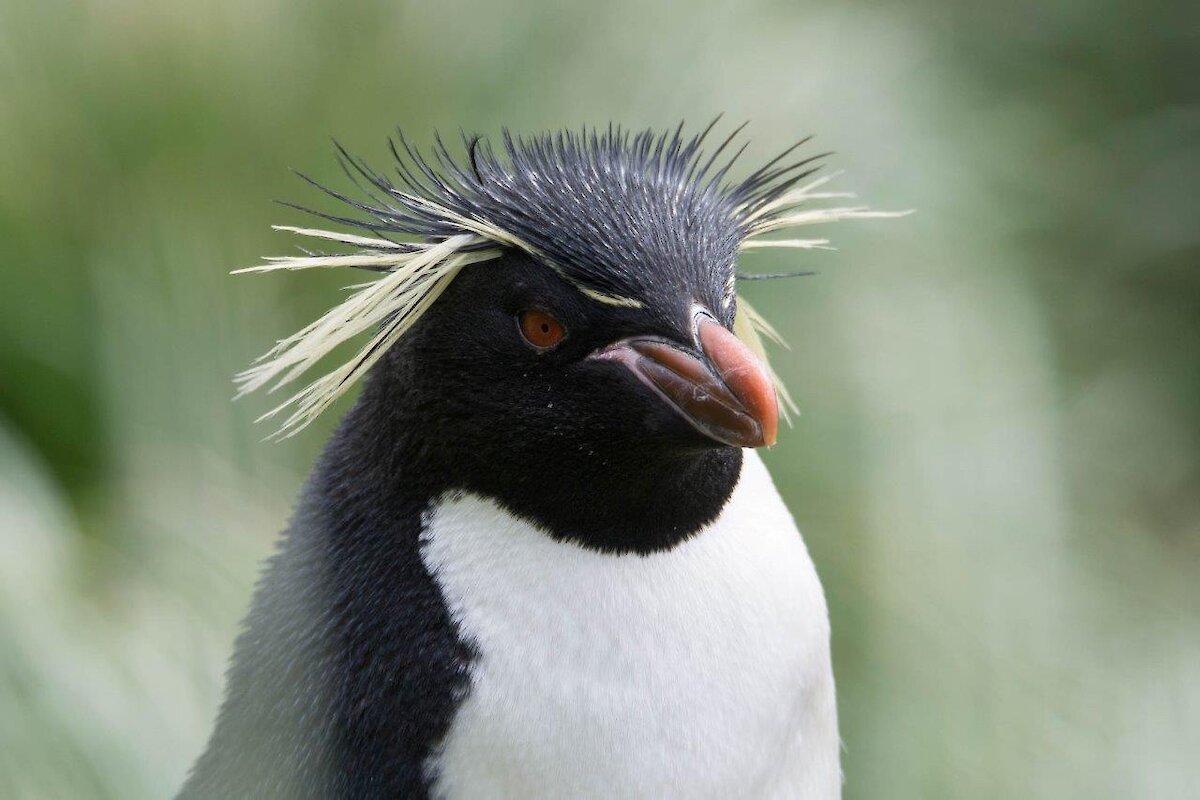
(600, 206)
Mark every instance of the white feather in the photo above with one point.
(344, 238)
(699, 672)
(389, 305)
(803, 244)
(817, 216)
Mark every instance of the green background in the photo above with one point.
(997, 468)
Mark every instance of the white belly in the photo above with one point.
(695, 673)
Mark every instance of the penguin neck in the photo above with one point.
(395, 446)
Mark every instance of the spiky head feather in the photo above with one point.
(613, 213)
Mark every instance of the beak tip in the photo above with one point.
(745, 375)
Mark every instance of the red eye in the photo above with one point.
(540, 329)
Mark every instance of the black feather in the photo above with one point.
(627, 215)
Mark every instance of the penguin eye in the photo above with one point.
(540, 329)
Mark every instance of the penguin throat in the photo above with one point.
(623, 499)
(624, 509)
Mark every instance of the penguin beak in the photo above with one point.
(724, 391)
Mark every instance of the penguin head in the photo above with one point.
(560, 334)
(620, 427)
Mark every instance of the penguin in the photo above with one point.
(540, 557)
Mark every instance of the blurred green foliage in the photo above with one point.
(998, 466)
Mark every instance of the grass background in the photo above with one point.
(997, 468)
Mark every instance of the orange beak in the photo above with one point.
(725, 392)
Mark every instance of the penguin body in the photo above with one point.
(444, 647)
(539, 557)
(701, 671)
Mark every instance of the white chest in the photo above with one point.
(699, 672)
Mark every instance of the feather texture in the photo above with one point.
(603, 209)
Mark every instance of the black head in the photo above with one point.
(559, 435)
(587, 377)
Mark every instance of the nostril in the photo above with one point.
(700, 315)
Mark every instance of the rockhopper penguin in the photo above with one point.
(539, 559)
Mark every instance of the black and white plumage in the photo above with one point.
(537, 561)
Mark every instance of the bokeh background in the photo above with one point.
(998, 464)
